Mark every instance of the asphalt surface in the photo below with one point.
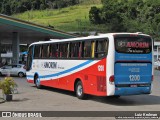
(29, 98)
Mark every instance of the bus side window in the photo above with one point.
(60, 50)
(101, 48)
(71, 49)
(74, 52)
(45, 51)
(48, 50)
(37, 51)
(80, 50)
(40, 51)
(63, 50)
(54, 51)
(87, 49)
(51, 51)
(68, 50)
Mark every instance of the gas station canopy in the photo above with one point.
(28, 32)
(15, 31)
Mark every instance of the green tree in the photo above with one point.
(94, 15)
(17, 6)
(128, 16)
(110, 14)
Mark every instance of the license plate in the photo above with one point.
(133, 85)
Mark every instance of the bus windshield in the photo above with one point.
(133, 45)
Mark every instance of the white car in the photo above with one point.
(18, 70)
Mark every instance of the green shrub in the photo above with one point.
(7, 85)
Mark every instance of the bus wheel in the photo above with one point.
(37, 82)
(79, 91)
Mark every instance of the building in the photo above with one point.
(156, 50)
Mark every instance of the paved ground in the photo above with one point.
(31, 99)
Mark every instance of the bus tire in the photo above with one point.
(80, 91)
(0, 74)
(37, 82)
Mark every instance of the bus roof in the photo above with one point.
(88, 37)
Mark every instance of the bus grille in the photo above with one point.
(101, 83)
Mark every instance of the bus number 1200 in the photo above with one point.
(134, 77)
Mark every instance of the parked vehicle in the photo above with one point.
(18, 70)
(157, 65)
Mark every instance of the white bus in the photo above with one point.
(113, 64)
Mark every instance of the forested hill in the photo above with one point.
(129, 16)
(73, 18)
(9, 7)
(89, 15)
